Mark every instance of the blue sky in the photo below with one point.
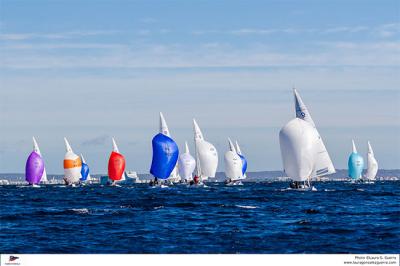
(90, 70)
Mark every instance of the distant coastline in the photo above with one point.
(383, 174)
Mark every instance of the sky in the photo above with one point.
(92, 70)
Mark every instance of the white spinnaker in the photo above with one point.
(372, 167)
(43, 179)
(233, 163)
(206, 154)
(323, 162)
(72, 175)
(297, 141)
(186, 164)
(208, 158)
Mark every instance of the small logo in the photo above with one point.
(13, 258)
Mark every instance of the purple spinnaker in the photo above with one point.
(34, 168)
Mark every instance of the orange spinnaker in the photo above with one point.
(72, 163)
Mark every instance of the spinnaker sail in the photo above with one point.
(165, 156)
(72, 165)
(233, 163)
(84, 170)
(186, 164)
(116, 163)
(206, 155)
(34, 168)
(355, 163)
(165, 153)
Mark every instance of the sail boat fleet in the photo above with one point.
(304, 157)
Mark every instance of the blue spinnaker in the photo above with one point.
(356, 165)
(165, 156)
(84, 172)
(244, 164)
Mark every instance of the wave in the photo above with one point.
(80, 211)
(246, 206)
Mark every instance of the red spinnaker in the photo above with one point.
(116, 166)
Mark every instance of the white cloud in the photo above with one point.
(207, 55)
(60, 35)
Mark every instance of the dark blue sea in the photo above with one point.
(254, 218)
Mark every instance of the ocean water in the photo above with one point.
(254, 218)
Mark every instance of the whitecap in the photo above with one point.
(81, 211)
(246, 206)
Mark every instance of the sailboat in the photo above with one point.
(34, 169)
(116, 165)
(165, 153)
(174, 176)
(186, 164)
(304, 154)
(355, 164)
(206, 156)
(372, 165)
(233, 165)
(244, 161)
(72, 165)
(85, 172)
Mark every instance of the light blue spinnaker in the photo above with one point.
(355, 164)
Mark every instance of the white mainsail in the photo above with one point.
(163, 126)
(72, 165)
(206, 155)
(323, 162)
(43, 179)
(233, 163)
(372, 164)
(304, 154)
(186, 164)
